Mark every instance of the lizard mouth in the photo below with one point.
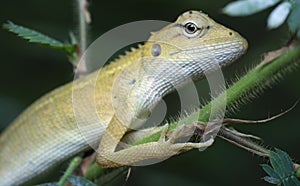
(221, 54)
(233, 51)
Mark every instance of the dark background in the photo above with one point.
(29, 71)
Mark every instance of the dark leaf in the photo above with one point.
(271, 180)
(79, 181)
(293, 19)
(283, 170)
(270, 171)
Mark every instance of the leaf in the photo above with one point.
(79, 181)
(247, 7)
(293, 19)
(270, 171)
(282, 171)
(37, 37)
(271, 180)
(281, 163)
(279, 15)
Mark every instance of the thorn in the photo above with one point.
(127, 175)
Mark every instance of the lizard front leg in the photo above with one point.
(142, 154)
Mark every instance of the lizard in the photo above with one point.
(47, 132)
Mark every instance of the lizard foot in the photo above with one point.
(181, 146)
(151, 152)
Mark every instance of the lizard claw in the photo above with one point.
(183, 146)
(163, 134)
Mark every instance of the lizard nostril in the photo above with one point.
(230, 33)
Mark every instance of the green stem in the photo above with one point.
(94, 172)
(72, 166)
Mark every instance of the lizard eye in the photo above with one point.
(191, 29)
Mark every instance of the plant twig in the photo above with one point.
(228, 121)
(72, 166)
(84, 18)
(244, 143)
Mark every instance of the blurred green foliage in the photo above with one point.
(29, 71)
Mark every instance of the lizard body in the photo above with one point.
(126, 90)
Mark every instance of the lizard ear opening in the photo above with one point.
(156, 50)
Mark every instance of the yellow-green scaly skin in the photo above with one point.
(46, 133)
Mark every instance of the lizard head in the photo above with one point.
(195, 41)
(186, 49)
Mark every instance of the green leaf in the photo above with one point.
(247, 7)
(37, 37)
(281, 163)
(283, 169)
(79, 181)
(270, 171)
(271, 180)
(279, 15)
(293, 19)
